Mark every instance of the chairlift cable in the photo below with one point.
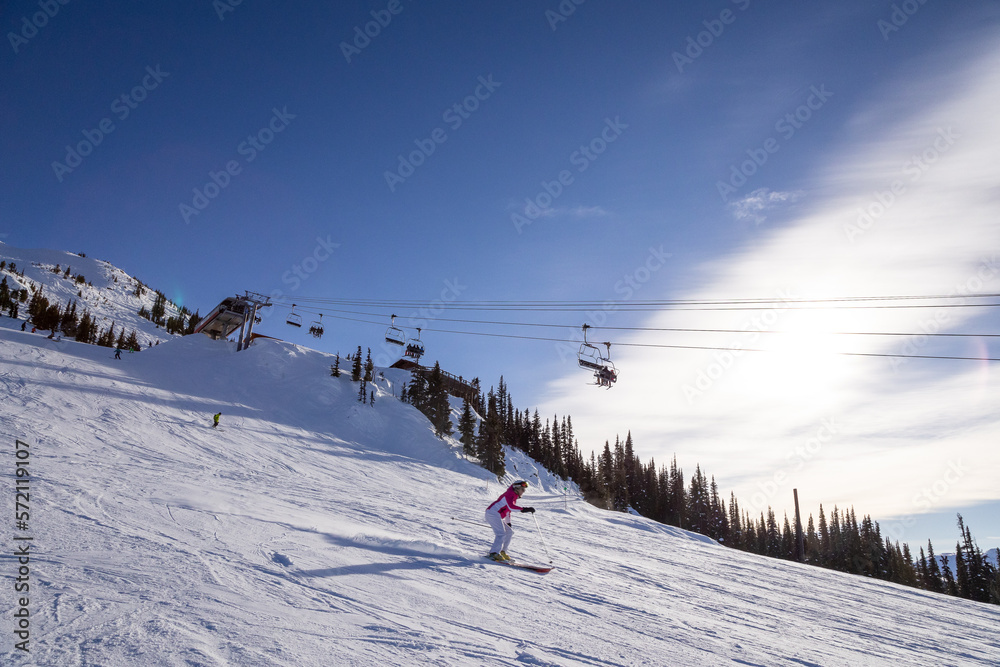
(680, 347)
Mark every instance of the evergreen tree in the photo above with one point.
(133, 341)
(335, 368)
(718, 522)
(963, 590)
(418, 391)
(676, 497)
(106, 338)
(192, 323)
(438, 408)
(811, 554)
(467, 429)
(69, 321)
(363, 391)
(159, 308)
(369, 366)
(85, 330)
(37, 305)
(5, 299)
(773, 539)
(978, 570)
(490, 447)
(935, 581)
(49, 317)
(619, 485)
(950, 587)
(356, 367)
(698, 509)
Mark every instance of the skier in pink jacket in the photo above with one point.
(498, 516)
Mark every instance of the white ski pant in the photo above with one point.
(501, 530)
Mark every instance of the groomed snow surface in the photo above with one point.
(310, 529)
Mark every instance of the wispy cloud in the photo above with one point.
(860, 431)
(753, 206)
(579, 211)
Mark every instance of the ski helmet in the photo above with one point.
(521, 483)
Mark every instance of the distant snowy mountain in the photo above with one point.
(110, 294)
(313, 530)
(991, 555)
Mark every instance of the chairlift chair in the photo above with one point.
(394, 334)
(293, 319)
(415, 348)
(608, 374)
(589, 356)
(316, 328)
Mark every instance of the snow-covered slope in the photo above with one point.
(310, 529)
(107, 291)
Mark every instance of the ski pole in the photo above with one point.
(541, 537)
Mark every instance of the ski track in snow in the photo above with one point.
(314, 530)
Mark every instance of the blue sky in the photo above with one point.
(673, 151)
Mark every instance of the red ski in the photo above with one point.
(542, 569)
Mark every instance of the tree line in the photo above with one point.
(82, 326)
(616, 479)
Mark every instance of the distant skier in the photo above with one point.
(23, 324)
(215, 420)
(498, 516)
(118, 353)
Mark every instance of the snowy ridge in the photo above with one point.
(108, 292)
(311, 529)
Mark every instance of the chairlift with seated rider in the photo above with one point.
(394, 334)
(590, 358)
(607, 375)
(316, 328)
(415, 348)
(293, 319)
